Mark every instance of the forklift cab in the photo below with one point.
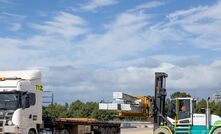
(181, 110)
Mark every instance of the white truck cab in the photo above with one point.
(20, 102)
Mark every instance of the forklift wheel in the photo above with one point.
(161, 131)
(217, 131)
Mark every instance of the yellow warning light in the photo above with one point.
(2, 78)
(39, 87)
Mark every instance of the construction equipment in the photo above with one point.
(127, 105)
(180, 117)
(21, 109)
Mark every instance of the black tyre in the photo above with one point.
(217, 131)
(65, 131)
(109, 131)
(31, 131)
(103, 131)
(161, 131)
(113, 130)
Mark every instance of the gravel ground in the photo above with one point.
(137, 131)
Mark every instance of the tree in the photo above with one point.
(179, 94)
(78, 109)
(103, 115)
(216, 108)
(200, 104)
(55, 110)
(75, 109)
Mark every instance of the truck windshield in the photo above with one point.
(9, 101)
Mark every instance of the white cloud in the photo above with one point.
(133, 80)
(119, 50)
(15, 27)
(201, 24)
(199, 77)
(12, 16)
(183, 13)
(10, 41)
(94, 4)
(147, 5)
(126, 36)
(6, 1)
(13, 22)
(94, 82)
(54, 44)
(178, 60)
(64, 24)
(121, 38)
(11, 55)
(35, 51)
(130, 34)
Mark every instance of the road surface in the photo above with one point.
(137, 131)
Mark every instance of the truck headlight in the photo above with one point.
(10, 123)
(8, 118)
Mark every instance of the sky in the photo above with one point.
(87, 49)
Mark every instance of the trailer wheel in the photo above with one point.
(217, 131)
(109, 131)
(31, 131)
(161, 131)
(113, 130)
(103, 131)
(106, 131)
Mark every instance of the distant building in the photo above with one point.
(216, 96)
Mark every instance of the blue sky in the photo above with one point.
(87, 49)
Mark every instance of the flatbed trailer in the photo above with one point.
(81, 126)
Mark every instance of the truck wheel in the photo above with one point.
(31, 132)
(65, 131)
(217, 131)
(161, 131)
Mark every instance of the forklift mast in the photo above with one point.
(159, 99)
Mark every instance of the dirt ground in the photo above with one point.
(137, 131)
